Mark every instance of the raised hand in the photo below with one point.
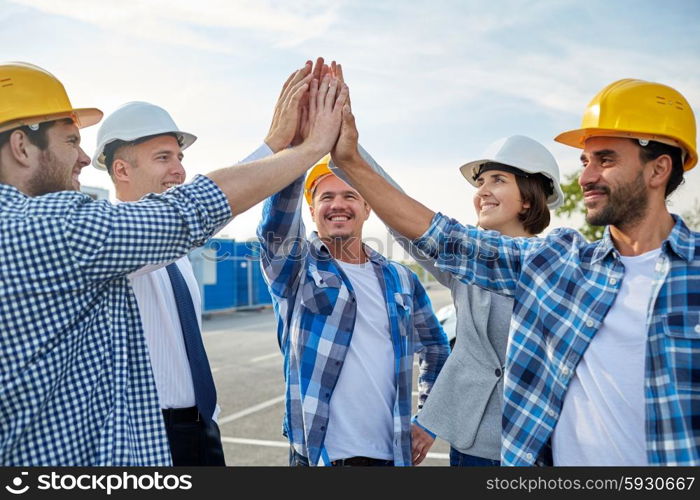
(345, 150)
(326, 101)
(289, 111)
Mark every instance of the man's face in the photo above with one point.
(155, 166)
(59, 165)
(338, 210)
(613, 182)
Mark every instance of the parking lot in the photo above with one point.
(247, 367)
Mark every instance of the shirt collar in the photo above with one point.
(9, 191)
(320, 248)
(680, 240)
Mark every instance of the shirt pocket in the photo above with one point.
(683, 348)
(404, 312)
(320, 291)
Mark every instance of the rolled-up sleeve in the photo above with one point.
(108, 240)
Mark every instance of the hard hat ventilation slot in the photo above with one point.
(6, 82)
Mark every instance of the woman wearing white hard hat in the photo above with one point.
(517, 181)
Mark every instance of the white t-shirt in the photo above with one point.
(361, 420)
(603, 416)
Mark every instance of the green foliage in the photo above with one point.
(573, 204)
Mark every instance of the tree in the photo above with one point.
(573, 204)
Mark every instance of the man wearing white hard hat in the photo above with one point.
(141, 148)
(605, 340)
(77, 386)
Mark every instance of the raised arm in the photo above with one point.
(425, 261)
(247, 184)
(398, 210)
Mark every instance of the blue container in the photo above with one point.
(222, 295)
(238, 279)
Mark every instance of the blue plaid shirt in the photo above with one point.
(76, 386)
(563, 287)
(316, 309)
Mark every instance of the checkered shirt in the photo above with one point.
(76, 386)
(316, 309)
(563, 287)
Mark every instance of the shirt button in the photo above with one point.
(589, 323)
(613, 281)
(529, 456)
(323, 427)
(328, 395)
(498, 372)
(697, 328)
(565, 371)
(551, 412)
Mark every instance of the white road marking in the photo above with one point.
(251, 410)
(266, 356)
(255, 442)
(285, 444)
(239, 329)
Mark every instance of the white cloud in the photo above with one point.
(182, 22)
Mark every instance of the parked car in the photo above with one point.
(447, 316)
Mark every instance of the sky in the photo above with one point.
(432, 82)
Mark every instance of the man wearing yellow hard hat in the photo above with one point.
(77, 387)
(349, 323)
(605, 337)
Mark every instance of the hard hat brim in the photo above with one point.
(98, 160)
(555, 200)
(577, 139)
(83, 117)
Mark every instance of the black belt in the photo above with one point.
(181, 415)
(361, 461)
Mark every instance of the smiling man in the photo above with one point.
(349, 323)
(76, 385)
(141, 148)
(602, 364)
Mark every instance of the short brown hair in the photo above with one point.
(534, 190)
(655, 149)
(36, 136)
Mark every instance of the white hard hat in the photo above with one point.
(135, 120)
(524, 154)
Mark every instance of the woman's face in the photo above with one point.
(498, 202)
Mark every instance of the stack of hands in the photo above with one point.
(313, 111)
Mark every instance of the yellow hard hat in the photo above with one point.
(639, 110)
(31, 95)
(319, 171)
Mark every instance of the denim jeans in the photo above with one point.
(459, 459)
